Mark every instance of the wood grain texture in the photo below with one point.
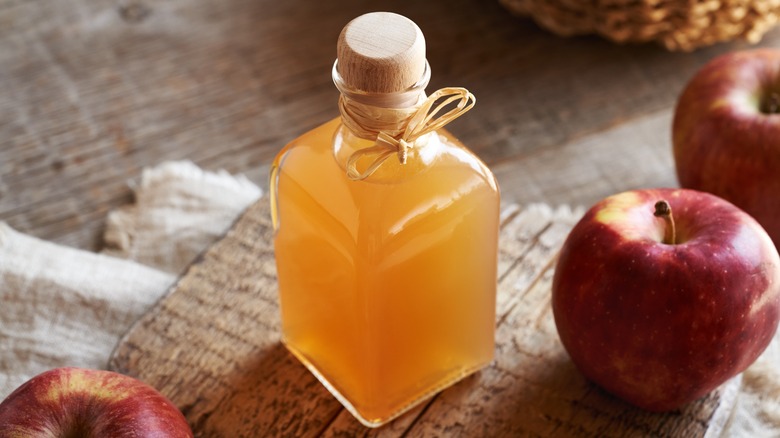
(91, 91)
(212, 345)
(635, 154)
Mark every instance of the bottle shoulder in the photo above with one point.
(331, 144)
(443, 167)
(317, 138)
(459, 153)
(442, 176)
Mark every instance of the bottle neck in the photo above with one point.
(399, 99)
(367, 114)
(371, 116)
(395, 123)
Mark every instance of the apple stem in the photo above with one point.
(664, 210)
(773, 105)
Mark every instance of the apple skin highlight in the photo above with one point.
(726, 133)
(660, 325)
(76, 402)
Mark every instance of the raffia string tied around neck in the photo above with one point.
(395, 130)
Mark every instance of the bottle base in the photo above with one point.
(378, 422)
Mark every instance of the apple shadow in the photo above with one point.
(552, 398)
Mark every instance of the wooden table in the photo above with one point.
(212, 345)
(92, 91)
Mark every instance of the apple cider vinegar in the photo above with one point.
(386, 250)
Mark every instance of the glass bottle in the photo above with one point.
(387, 275)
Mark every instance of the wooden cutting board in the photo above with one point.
(212, 345)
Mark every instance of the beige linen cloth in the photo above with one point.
(61, 306)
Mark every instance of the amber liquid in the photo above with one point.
(387, 286)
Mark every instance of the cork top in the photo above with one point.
(381, 52)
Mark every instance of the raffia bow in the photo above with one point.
(424, 119)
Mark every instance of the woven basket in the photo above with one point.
(676, 24)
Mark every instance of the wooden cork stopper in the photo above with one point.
(381, 52)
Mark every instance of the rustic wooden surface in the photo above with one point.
(212, 345)
(91, 91)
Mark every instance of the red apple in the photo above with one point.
(726, 133)
(661, 320)
(75, 402)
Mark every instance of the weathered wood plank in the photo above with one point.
(90, 93)
(635, 154)
(212, 346)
